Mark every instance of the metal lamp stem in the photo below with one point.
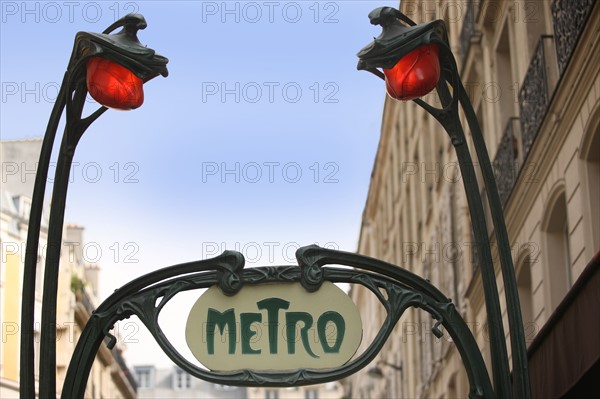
(448, 118)
(395, 41)
(123, 48)
(27, 373)
(47, 370)
(521, 387)
(74, 129)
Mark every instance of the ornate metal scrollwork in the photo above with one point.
(569, 18)
(533, 98)
(402, 290)
(468, 31)
(505, 161)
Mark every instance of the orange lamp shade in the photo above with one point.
(415, 74)
(113, 85)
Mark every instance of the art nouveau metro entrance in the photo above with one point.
(297, 302)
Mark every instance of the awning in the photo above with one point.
(564, 358)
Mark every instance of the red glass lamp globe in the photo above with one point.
(415, 74)
(113, 85)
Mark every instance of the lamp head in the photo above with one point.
(117, 64)
(408, 53)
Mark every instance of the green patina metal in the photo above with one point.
(401, 35)
(146, 296)
(124, 48)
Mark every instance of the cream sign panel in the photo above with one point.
(274, 327)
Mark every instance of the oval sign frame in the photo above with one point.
(274, 327)
(397, 289)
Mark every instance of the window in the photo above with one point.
(25, 207)
(311, 394)
(224, 388)
(556, 241)
(533, 14)
(503, 91)
(526, 297)
(271, 394)
(182, 379)
(590, 166)
(143, 377)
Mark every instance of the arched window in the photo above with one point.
(557, 262)
(589, 154)
(526, 296)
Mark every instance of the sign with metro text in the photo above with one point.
(274, 327)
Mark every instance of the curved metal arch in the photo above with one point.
(403, 289)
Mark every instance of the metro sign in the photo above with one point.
(274, 327)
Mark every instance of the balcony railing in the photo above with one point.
(569, 18)
(468, 30)
(506, 161)
(86, 301)
(536, 91)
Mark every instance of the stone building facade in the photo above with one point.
(331, 390)
(173, 382)
(531, 71)
(78, 296)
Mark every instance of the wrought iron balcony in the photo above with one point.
(506, 161)
(569, 18)
(468, 30)
(536, 91)
(86, 301)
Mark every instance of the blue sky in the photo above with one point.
(261, 139)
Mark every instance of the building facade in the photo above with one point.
(332, 390)
(77, 286)
(176, 383)
(531, 71)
